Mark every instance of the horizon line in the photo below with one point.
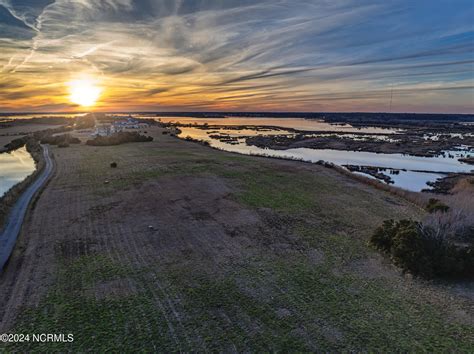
(232, 112)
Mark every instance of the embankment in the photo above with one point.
(11, 196)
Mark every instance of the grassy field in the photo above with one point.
(186, 248)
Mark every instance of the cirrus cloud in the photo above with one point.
(240, 55)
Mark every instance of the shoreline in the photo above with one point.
(8, 200)
(17, 211)
(418, 199)
(419, 146)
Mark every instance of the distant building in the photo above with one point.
(103, 130)
(118, 125)
(129, 123)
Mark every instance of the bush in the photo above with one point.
(202, 142)
(113, 165)
(383, 236)
(119, 138)
(16, 143)
(407, 250)
(61, 140)
(422, 250)
(435, 205)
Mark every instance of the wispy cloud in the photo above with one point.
(239, 54)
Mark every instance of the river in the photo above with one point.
(413, 172)
(14, 168)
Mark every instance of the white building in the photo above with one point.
(129, 123)
(102, 130)
(106, 129)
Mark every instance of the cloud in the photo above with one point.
(256, 54)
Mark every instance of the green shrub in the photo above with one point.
(60, 140)
(422, 250)
(408, 249)
(384, 235)
(16, 143)
(119, 138)
(435, 205)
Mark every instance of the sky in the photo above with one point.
(229, 55)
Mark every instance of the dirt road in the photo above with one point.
(10, 232)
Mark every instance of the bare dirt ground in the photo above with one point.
(184, 248)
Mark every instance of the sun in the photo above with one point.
(84, 92)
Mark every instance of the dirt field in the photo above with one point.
(183, 248)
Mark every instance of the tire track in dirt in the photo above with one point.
(123, 256)
(119, 248)
(138, 246)
(201, 243)
(134, 255)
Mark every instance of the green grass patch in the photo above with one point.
(112, 323)
(370, 314)
(264, 188)
(229, 318)
(265, 305)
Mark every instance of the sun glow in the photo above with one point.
(84, 92)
